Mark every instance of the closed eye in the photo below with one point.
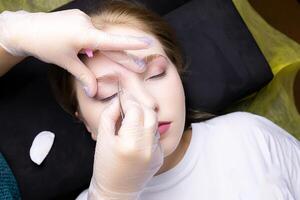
(159, 75)
(114, 95)
(108, 98)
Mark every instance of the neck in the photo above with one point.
(174, 158)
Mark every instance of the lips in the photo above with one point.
(163, 127)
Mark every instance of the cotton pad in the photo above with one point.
(41, 146)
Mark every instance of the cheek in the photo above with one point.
(175, 109)
(173, 89)
(179, 92)
(91, 115)
(90, 109)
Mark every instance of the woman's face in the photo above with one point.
(164, 93)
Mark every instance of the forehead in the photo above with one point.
(108, 65)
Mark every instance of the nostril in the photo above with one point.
(156, 109)
(154, 106)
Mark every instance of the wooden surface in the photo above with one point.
(282, 15)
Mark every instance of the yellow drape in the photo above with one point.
(31, 5)
(275, 101)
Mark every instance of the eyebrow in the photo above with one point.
(151, 57)
(108, 78)
(113, 77)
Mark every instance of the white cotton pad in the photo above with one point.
(41, 146)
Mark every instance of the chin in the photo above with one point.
(169, 144)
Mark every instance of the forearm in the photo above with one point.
(7, 61)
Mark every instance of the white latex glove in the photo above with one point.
(58, 37)
(125, 162)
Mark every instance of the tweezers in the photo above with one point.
(119, 90)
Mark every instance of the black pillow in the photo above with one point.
(27, 107)
(225, 62)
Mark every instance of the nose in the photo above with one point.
(145, 97)
(151, 104)
(148, 100)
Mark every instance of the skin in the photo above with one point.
(164, 94)
(7, 61)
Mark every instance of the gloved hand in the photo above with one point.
(125, 162)
(58, 37)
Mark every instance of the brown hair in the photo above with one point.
(132, 14)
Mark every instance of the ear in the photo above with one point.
(94, 135)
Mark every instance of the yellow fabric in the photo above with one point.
(31, 5)
(278, 49)
(275, 101)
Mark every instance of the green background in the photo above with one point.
(31, 5)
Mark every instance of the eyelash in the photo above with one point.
(111, 97)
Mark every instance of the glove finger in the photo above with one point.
(83, 74)
(150, 125)
(127, 60)
(108, 120)
(101, 40)
(134, 116)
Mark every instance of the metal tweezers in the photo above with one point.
(119, 90)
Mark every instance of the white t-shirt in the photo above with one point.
(238, 156)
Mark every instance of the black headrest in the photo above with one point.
(225, 63)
